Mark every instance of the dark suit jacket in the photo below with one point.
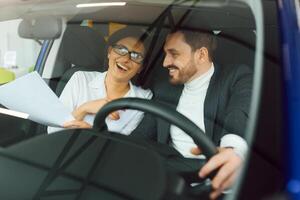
(226, 106)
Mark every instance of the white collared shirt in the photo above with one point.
(88, 86)
(191, 105)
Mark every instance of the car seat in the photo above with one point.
(235, 47)
(82, 48)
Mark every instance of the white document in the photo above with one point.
(30, 94)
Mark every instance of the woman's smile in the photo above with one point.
(122, 67)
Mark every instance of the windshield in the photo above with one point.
(203, 59)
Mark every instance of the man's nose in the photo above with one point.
(167, 61)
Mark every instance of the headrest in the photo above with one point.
(41, 27)
(82, 46)
(235, 47)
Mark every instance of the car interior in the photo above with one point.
(82, 45)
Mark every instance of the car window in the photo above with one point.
(240, 96)
(17, 55)
(238, 52)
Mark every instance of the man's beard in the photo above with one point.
(172, 80)
(184, 75)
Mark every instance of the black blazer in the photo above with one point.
(226, 106)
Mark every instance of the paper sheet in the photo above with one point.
(30, 94)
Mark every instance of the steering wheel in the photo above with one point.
(162, 111)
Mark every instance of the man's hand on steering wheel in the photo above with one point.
(227, 163)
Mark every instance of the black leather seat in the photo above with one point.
(235, 47)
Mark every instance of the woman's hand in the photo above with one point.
(90, 107)
(114, 115)
(77, 124)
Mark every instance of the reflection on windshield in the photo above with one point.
(198, 58)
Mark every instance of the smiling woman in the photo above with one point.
(87, 92)
(126, 52)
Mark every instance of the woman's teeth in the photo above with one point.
(122, 67)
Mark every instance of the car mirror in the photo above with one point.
(40, 28)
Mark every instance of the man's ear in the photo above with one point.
(201, 55)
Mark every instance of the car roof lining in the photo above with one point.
(180, 16)
(225, 17)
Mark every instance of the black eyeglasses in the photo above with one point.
(122, 51)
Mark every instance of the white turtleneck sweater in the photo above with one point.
(191, 105)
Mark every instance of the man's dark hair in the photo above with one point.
(197, 40)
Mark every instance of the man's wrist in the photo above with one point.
(237, 143)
